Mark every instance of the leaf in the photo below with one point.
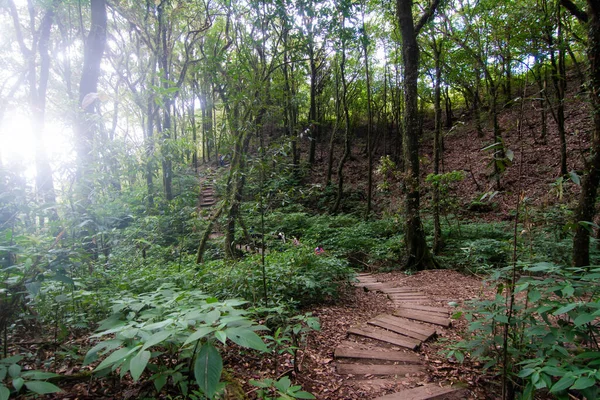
(160, 382)
(39, 375)
(138, 364)
(510, 155)
(199, 334)
(564, 383)
(18, 383)
(575, 178)
(534, 295)
(40, 387)
(246, 338)
(303, 395)
(158, 337)
(221, 336)
(14, 370)
(583, 383)
(4, 392)
(583, 319)
(283, 384)
(207, 369)
(116, 357)
(565, 309)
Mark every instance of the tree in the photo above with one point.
(419, 255)
(586, 209)
(86, 128)
(40, 38)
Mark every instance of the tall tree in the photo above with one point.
(586, 208)
(419, 255)
(38, 84)
(86, 128)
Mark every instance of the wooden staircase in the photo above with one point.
(395, 336)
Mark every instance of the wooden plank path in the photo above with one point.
(392, 340)
(427, 392)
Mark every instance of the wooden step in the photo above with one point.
(436, 310)
(402, 290)
(405, 295)
(403, 327)
(386, 336)
(424, 316)
(371, 354)
(363, 369)
(412, 326)
(431, 391)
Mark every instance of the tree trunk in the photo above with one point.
(88, 86)
(419, 256)
(587, 202)
(437, 228)
(365, 39)
(167, 164)
(347, 147)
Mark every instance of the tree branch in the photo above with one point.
(427, 15)
(573, 9)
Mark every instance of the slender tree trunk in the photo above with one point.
(338, 117)
(167, 164)
(437, 228)
(88, 86)
(589, 188)
(369, 123)
(347, 145)
(312, 117)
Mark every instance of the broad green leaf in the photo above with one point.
(108, 345)
(534, 295)
(116, 357)
(39, 375)
(575, 178)
(207, 369)
(583, 383)
(14, 370)
(564, 383)
(199, 334)
(565, 309)
(160, 382)
(158, 337)
(212, 317)
(303, 395)
(18, 383)
(221, 336)
(4, 392)
(525, 372)
(40, 387)
(583, 319)
(246, 338)
(138, 364)
(283, 384)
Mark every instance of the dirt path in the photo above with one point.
(377, 342)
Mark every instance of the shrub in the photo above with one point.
(551, 331)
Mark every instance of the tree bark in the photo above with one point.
(88, 86)
(419, 256)
(437, 227)
(587, 202)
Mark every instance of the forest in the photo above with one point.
(293, 199)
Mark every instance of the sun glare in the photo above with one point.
(17, 143)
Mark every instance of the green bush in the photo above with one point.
(295, 276)
(549, 336)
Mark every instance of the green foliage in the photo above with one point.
(173, 334)
(282, 389)
(12, 375)
(551, 341)
(294, 276)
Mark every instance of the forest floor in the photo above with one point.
(318, 373)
